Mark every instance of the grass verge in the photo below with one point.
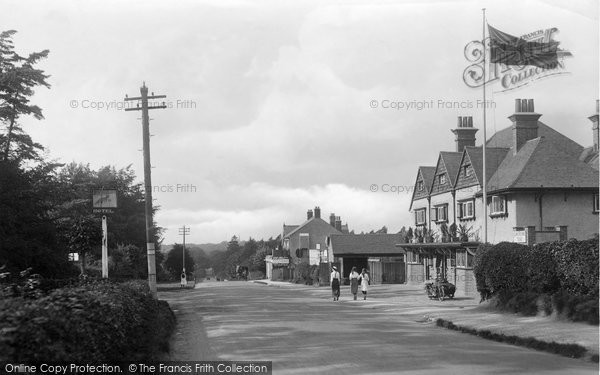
(567, 350)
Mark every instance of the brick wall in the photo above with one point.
(414, 274)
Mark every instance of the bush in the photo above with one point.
(501, 269)
(554, 277)
(577, 266)
(92, 322)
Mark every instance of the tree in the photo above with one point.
(174, 261)
(18, 78)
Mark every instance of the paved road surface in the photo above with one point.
(304, 332)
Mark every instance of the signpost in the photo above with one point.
(520, 236)
(104, 202)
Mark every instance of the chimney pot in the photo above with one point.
(332, 219)
(464, 132)
(317, 212)
(309, 214)
(525, 123)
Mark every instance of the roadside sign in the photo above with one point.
(520, 236)
(104, 201)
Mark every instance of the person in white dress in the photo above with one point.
(365, 281)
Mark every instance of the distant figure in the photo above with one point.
(354, 281)
(335, 283)
(365, 281)
(183, 280)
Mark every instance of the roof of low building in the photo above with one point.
(366, 244)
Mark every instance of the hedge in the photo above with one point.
(92, 322)
(555, 277)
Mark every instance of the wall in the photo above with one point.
(573, 209)
(465, 283)
(415, 274)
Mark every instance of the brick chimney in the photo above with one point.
(338, 223)
(317, 212)
(594, 120)
(525, 123)
(309, 214)
(332, 219)
(465, 133)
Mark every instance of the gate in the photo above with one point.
(393, 273)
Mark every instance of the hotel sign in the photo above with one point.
(505, 77)
(104, 201)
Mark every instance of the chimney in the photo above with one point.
(317, 212)
(525, 123)
(332, 219)
(309, 214)
(465, 133)
(338, 223)
(594, 120)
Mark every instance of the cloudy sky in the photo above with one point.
(271, 103)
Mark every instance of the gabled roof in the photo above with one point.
(288, 228)
(311, 220)
(540, 163)
(451, 163)
(493, 158)
(368, 244)
(504, 139)
(427, 174)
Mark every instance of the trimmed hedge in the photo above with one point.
(92, 322)
(554, 277)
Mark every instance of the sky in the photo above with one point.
(275, 107)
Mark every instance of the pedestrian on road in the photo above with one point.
(354, 281)
(365, 281)
(335, 283)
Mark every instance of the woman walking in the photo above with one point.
(354, 282)
(335, 283)
(364, 282)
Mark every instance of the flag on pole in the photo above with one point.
(511, 50)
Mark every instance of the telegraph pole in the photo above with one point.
(182, 232)
(147, 178)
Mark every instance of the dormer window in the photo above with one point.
(442, 179)
(468, 170)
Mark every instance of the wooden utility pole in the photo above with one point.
(182, 232)
(147, 178)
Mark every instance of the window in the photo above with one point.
(420, 216)
(318, 246)
(468, 170)
(464, 259)
(498, 205)
(442, 179)
(286, 244)
(596, 203)
(439, 213)
(412, 257)
(466, 209)
(420, 186)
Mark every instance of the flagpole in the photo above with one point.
(484, 139)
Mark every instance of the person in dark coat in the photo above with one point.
(335, 283)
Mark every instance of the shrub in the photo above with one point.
(577, 266)
(479, 268)
(541, 268)
(502, 269)
(94, 321)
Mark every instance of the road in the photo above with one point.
(303, 331)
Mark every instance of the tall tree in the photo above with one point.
(18, 78)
